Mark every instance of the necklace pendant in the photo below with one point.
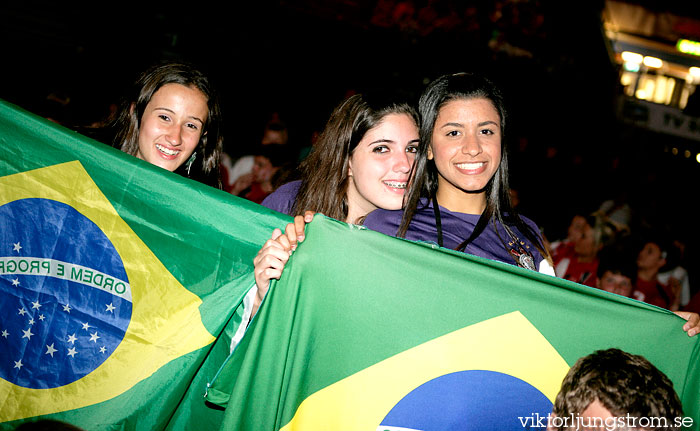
(526, 261)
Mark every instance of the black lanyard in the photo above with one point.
(516, 248)
(438, 220)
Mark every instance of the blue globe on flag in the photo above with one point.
(470, 400)
(65, 298)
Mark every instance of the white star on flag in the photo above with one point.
(50, 350)
(66, 308)
(15, 282)
(103, 349)
(18, 364)
(16, 247)
(31, 321)
(5, 334)
(36, 305)
(41, 317)
(94, 337)
(72, 352)
(72, 338)
(86, 326)
(110, 307)
(27, 334)
(22, 311)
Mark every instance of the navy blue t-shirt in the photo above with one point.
(282, 199)
(456, 227)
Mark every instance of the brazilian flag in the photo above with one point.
(368, 332)
(116, 278)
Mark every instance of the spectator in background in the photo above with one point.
(275, 134)
(565, 247)
(617, 272)
(648, 288)
(580, 263)
(617, 210)
(609, 385)
(271, 167)
(675, 272)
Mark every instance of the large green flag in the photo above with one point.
(368, 332)
(116, 277)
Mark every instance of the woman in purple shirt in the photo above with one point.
(361, 162)
(459, 197)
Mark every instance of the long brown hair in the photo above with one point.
(124, 126)
(324, 173)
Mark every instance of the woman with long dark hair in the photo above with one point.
(459, 196)
(360, 162)
(364, 130)
(171, 118)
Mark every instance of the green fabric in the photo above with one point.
(205, 239)
(351, 298)
(367, 300)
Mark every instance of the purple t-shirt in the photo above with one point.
(283, 198)
(456, 227)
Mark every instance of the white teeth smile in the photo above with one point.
(167, 151)
(469, 166)
(396, 184)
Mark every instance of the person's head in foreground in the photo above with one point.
(615, 390)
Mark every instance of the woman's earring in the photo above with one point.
(188, 164)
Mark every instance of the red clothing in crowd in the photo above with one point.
(256, 193)
(582, 272)
(567, 266)
(652, 292)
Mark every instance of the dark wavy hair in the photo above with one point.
(623, 383)
(124, 125)
(324, 173)
(424, 184)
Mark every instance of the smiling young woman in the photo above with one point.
(361, 162)
(460, 197)
(171, 118)
(379, 167)
(171, 126)
(466, 150)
